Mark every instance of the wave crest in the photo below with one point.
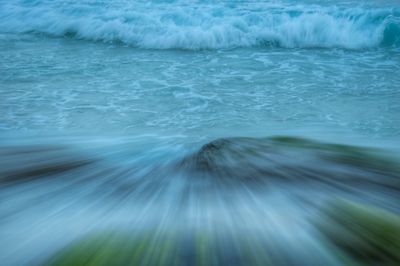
(215, 26)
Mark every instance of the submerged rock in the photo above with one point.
(26, 163)
(266, 160)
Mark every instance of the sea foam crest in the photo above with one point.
(206, 26)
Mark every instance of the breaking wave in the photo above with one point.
(206, 26)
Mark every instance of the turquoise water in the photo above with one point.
(139, 86)
(198, 68)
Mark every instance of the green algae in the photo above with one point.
(364, 235)
(152, 248)
(122, 248)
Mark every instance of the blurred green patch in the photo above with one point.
(152, 248)
(364, 157)
(122, 248)
(366, 235)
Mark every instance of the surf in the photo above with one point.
(207, 26)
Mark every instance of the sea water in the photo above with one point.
(139, 85)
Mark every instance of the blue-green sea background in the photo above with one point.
(200, 67)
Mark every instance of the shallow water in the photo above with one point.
(105, 108)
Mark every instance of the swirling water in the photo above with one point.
(107, 108)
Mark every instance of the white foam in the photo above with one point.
(201, 26)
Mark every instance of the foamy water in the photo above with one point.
(207, 25)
